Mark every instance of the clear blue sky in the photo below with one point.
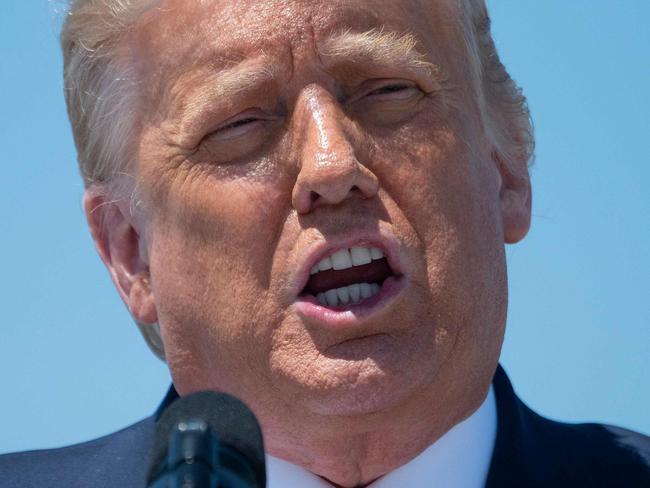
(73, 366)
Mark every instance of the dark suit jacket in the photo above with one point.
(530, 451)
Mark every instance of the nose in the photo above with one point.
(330, 171)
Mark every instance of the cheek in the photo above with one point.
(213, 242)
(437, 182)
(447, 193)
(222, 222)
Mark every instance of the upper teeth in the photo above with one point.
(346, 258)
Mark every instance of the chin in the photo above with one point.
(372, 370)
(337, 386)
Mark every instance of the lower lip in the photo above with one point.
(351, 315)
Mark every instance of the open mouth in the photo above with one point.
(348, 277)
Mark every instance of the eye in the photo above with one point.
(239, 123)
(386, 101)
(385, 92)
(238, 126)
(399, 88)
(238, 136)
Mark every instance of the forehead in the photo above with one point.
(181, 32)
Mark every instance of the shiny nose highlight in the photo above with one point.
(330, 171)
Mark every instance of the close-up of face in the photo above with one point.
(294, 240)
(321, 217)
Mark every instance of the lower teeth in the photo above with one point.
(348, 294)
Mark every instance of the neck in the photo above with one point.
(354, 451)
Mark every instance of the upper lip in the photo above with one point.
(388, 244)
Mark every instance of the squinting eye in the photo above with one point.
(396, 91)
(394, 88)
(239, 123)
(238, 127)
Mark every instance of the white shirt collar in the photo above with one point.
(459, 459)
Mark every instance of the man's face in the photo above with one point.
(278, 132)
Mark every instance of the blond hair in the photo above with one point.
(99, 84)
(502, 104)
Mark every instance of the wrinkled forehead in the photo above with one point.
(178, 32)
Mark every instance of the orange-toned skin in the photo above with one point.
(228, 212)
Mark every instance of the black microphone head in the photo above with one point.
(233, 423)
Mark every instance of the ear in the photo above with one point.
(516, 201)
(123, 250)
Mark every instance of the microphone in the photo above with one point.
(207, 440)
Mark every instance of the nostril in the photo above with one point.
(355, 189)
(313, 196)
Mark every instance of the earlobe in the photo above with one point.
(516, 201)
(141, 301)
(120, 246)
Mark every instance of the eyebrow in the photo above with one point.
(373, 50)
(235, 79)
(379, 48)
